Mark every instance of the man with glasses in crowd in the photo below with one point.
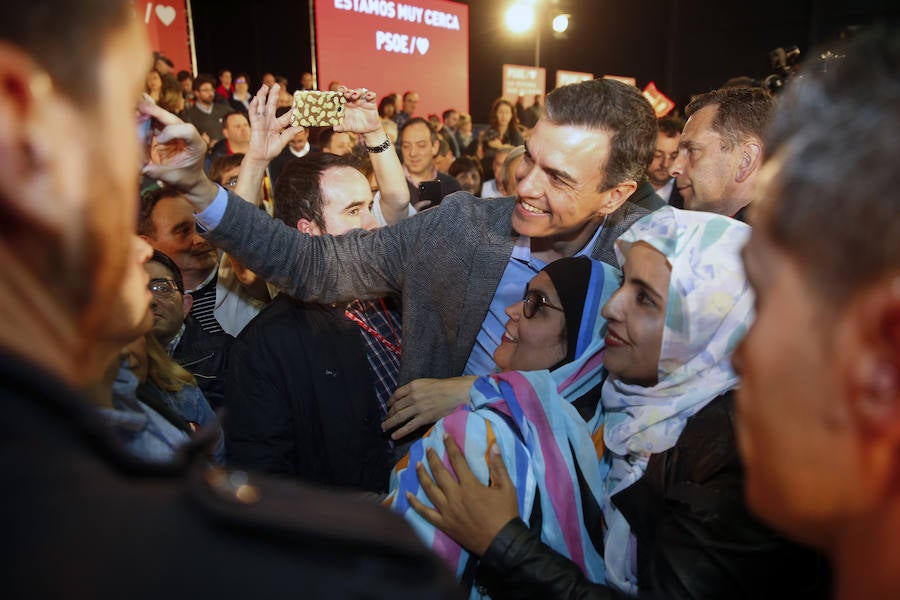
(204, 355)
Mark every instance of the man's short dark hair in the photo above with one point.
(65, 38)
(834, 205)
(157, 56)
(169, 264)
(618, 109)
(407, 93)
(222, 163)
(149, 200)
(182, 75)
(671, 125)
(204, 78)
(325, 137)
(231, 114)
(298, 191)
(466, 163)
(447, 113)
(414, 121)
(742, 112)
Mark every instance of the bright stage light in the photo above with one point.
(520, 18)
(560, 23)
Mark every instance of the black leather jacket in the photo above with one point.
(205, 356)
(695, 535)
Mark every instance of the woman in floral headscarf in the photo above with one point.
(669, 483)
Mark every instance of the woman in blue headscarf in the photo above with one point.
(533, 415)
(672, 520)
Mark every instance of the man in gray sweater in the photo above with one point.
(456, 267)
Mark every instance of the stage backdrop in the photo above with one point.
(387, 46)
(167, 28)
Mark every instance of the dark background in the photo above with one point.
(685, 46)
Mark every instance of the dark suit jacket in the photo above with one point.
(83, 520)
(279, 162)
(445, 263)
(205, 356)
(301, 401)
(645, 197)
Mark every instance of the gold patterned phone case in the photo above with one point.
(315, 109)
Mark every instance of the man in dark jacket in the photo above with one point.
(203, 354)
(314, 378)
(81, 519)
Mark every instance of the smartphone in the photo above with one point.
(318, 109)
(430, 192)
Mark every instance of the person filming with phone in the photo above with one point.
(419, 144)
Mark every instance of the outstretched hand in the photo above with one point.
(466, 510)
(423, 401)
(360, 112)
(269, 134)
(177, 154)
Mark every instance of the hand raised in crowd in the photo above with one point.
(360, 112)
(465, 509)
(423, 401)
(177, 157)
(269, 134)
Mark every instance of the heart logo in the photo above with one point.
(166, 14)
(422, 45)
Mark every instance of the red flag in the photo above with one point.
(661, 104)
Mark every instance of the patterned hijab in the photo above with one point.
(545, 442)
(709, 310)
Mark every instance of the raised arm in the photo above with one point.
(268, 137)
(361, 116)
(179, 152)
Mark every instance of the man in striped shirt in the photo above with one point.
(167, 223)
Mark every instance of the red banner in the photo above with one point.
(167, 28)
(387, 46)
(662, 104)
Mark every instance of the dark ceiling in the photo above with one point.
(685, 46)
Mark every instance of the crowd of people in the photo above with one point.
(647, 357)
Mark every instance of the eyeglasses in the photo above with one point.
(533, 300)
(232, 181)
(240, 80)
(164, 289)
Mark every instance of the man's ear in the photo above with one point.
(187, 300)
(617, 196)
(307, 226)
(435, 148)
(750, 159)
(22, 153)
(876, 376)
